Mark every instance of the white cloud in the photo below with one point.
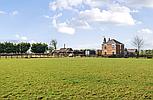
(57, 16)
(116, 14)
(69, 26)
(93, 13)
(17, 36)
(80, 24)
(22, 38)
(73, 4)
(62, 27)
(140, 3)
(9, 13)
(95, 3)
(14, 13)
(147, 35)
(145, 31)
(3, 12)
(64, 4)
(46, 16)
(65, 28)
(135, 11)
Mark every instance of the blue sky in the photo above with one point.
(76, 23)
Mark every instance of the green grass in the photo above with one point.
(76, 79)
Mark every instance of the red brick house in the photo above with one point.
(112, 47)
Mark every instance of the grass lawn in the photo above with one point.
(76, 79)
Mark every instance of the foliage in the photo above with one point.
(2, 48)
(9, 47)
(145, 53)
(51, 49)
(149, 52)
(53, 44)
(76, 79)
(39, 48)
(23, 47)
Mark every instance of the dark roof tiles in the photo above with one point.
(113, 41)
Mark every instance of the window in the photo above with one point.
(105, 53)
(113, 46)
(105, 47)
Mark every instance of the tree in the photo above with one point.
(2, 48)
(23, 47)
(138, 43)
(54, 44)
(9, 47)
(50, 49)
(39, 48)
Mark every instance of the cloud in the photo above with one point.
(14, 13)
(62, 27)
(74, 4)
(22, 38)
(69, 26)
(140, 3)
(46, 16)
(81, 24)
(136, 3)
(145, 31)
(89, 13)
(147, 35)
(96, 3)
(3, 12)
(116, 14)
(64, 4)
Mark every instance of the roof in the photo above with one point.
(64, 50)
(113, 41)
(132, 50)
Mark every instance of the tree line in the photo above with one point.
(23, 47)
(139, 43)
(146, 53)
(19, 48)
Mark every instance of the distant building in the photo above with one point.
(130, 52)
(63, 52)
(89, 52)
(112, 47)
(99, 52)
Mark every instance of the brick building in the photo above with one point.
(112, 47)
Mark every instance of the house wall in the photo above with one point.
(122, 49)
(118, 49)
(110, 49)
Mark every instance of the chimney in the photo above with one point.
(64, 46)
(104, 40)
(109, 39)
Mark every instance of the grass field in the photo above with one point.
(76, 79)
